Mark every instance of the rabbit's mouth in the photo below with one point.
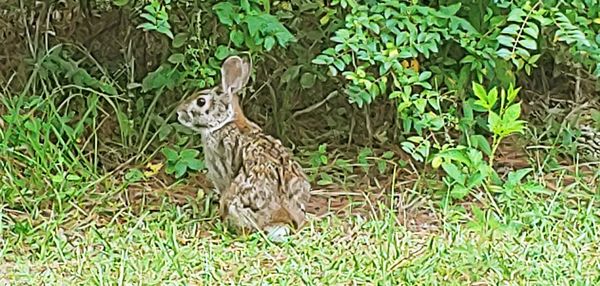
(185, 119)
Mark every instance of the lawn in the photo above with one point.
(149, 236)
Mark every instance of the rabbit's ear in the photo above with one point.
(235, 73)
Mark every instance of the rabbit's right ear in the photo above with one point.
(235, 73)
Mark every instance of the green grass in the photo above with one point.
(174, 244)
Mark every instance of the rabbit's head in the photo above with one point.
(211, 109)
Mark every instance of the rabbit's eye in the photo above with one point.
(201, 102)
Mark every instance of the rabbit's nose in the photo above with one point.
(183, 116)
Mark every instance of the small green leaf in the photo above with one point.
(516, 15)
(424, 76)
(528, 44)
(290, 74)
(179, 40)
(226, 12)
(170, 154)
(120, 3)
(73, 178)
(322, 60)
(436, 162)
(149, 17)
(454, 172)
(180, 169)
(512, 113)
(236, 37)
(459, 192)
(195, 164)
(307, 80)
(177, 58)
(504, 53)
(532, 30)
(269, 43)
(505, 40)
(492, 97)
(146, 26)
(222, 52)
(480, 92)
(494, 123)
(475, 180)
(450, 10)
(189, 154)
(480, 142)
(512, 29)
(516, 176)
(388, 155)
(381, 166)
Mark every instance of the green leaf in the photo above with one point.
(494, 123)
(436, 162)
(516, 176)
(455, 154)
(504, 53)
(480, 142)
(492, 97)
(195, 164)
(226, 12)
(322, 60)
(505, 40)
(166, 31)
(451, 10)
(290, 73)
(381, 166)
(177, 58)
(516, 15)
(269, 43)
(388, 155)
(454, 173)
(222, 52)
(180, 169)
(179, 40)
(512, 113)
(150, 18)
(532, 30)
(120, 3)
(528, 44)
(109, 89)
(134, 175)
(236, 37)
(475, 180)
(424, 76)
(480, 92)
(73, 178)
(189, 154)
(459, 192)
(307, 80)
(170, 154)
(146, 26)
(512, 29)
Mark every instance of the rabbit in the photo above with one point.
(260, 186)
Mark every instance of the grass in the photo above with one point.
(542, 240)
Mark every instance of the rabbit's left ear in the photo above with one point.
(235, 73)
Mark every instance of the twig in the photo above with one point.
(316, 105)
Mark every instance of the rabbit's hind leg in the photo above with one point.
(241, 204)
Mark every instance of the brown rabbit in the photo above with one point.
(261, 186)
